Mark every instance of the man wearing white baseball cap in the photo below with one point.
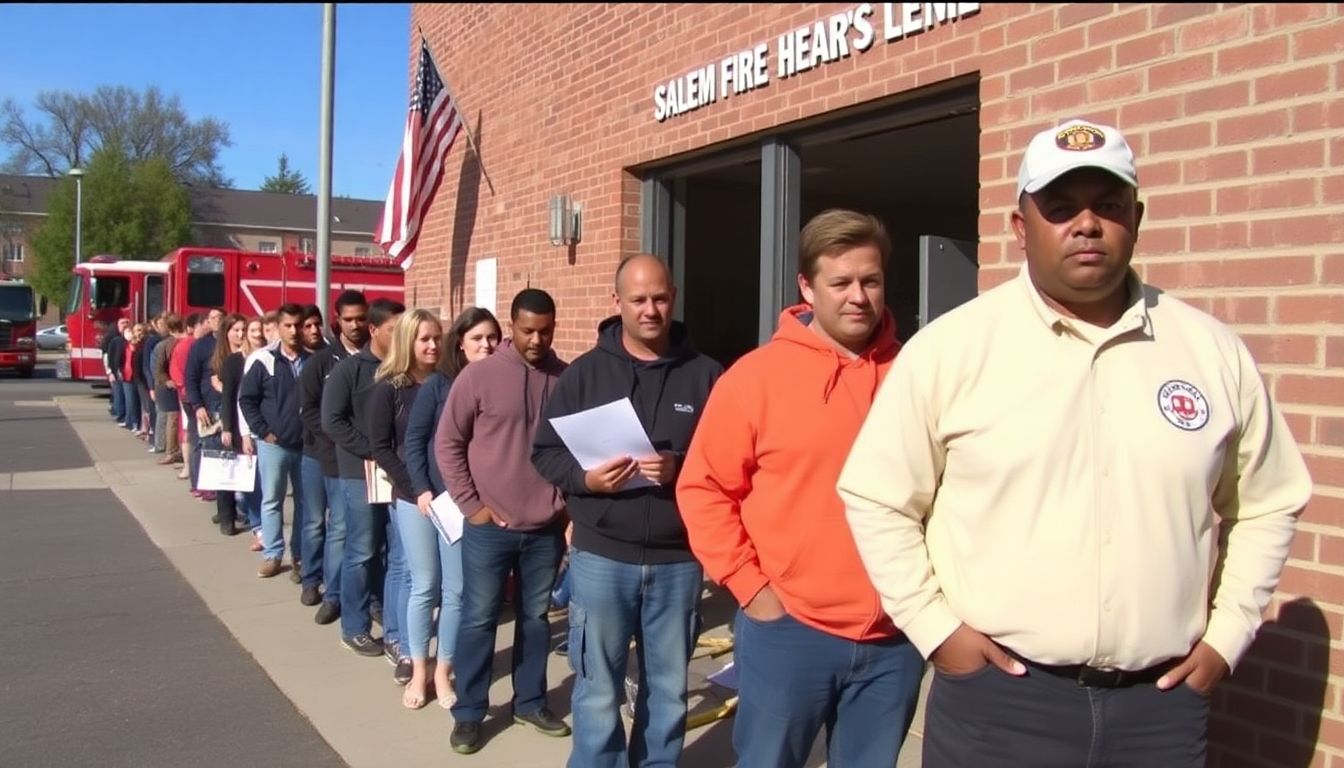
(1074, 493)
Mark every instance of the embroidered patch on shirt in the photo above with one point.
(1183, 405)
(683, 407)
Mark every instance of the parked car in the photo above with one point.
(54, 337)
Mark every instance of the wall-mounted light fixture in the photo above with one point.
(566, 220)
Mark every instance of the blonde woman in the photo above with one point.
(413, 357)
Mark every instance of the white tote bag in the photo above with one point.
(227, 471)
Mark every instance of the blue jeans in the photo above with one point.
(793, 679)
(314, 534)
(277, 465)
(396, 586)
(365, 526)
(249, 504)
(333, 550)
(488, 554)
(130, 399)
(436, 579)
(118, 406)
(657, 605)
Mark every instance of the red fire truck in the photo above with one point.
(106, 289)
(18, 326)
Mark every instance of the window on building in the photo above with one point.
(13, 251)
(306, 245)
(267, 246)
(363, 251)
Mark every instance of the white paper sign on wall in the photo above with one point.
(486, 279)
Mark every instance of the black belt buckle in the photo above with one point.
(1091, 677)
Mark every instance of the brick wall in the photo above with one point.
(1234, 111)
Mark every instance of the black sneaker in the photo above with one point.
(543, 721)
(310, 595)
(466, 738)
(363, 644)
(402, 674)
(327, 613)
(391, 652)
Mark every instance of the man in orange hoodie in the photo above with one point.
(757, 493)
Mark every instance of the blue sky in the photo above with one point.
(255, 67)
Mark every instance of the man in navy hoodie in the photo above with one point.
(269, 400)
(632, 573)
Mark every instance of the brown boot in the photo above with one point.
(269, 568)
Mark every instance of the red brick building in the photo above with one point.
(706, 134)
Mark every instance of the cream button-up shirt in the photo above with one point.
(1062, 487)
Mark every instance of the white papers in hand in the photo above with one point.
(445, 516)
(600, 434)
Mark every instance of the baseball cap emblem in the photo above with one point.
(1080, 138)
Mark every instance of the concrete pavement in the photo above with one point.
(350, 701)
(111, 658)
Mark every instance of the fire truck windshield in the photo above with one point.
(111, 292)
(16, 303)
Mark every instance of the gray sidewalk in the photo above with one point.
(352, 701)
(112, 658)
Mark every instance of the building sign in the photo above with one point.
(795, 52)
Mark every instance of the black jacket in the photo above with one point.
(269, 398)
(116, 355)
(311, 382)
(344, 403)
(640, 525)
(230, 381)
(389, 411)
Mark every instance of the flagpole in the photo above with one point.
(322, 285)
(466, 121)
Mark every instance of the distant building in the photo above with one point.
(223, 218)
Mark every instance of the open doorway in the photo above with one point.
(720, 286)
(920, 180)
(729, 223)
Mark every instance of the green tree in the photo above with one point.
(133, 210)
(286, 181)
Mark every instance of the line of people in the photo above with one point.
(1072, 496)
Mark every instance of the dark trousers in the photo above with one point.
(989, 718)
(488, 554)
(194, 440)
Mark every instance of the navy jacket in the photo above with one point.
(198, 392)
(344, 403)
(147, 371)
(420, 429)
(269, 398)
(640, 525)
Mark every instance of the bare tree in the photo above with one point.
(70, 127)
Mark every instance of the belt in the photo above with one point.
(1095, 677)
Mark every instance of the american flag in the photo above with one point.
(431, 126)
